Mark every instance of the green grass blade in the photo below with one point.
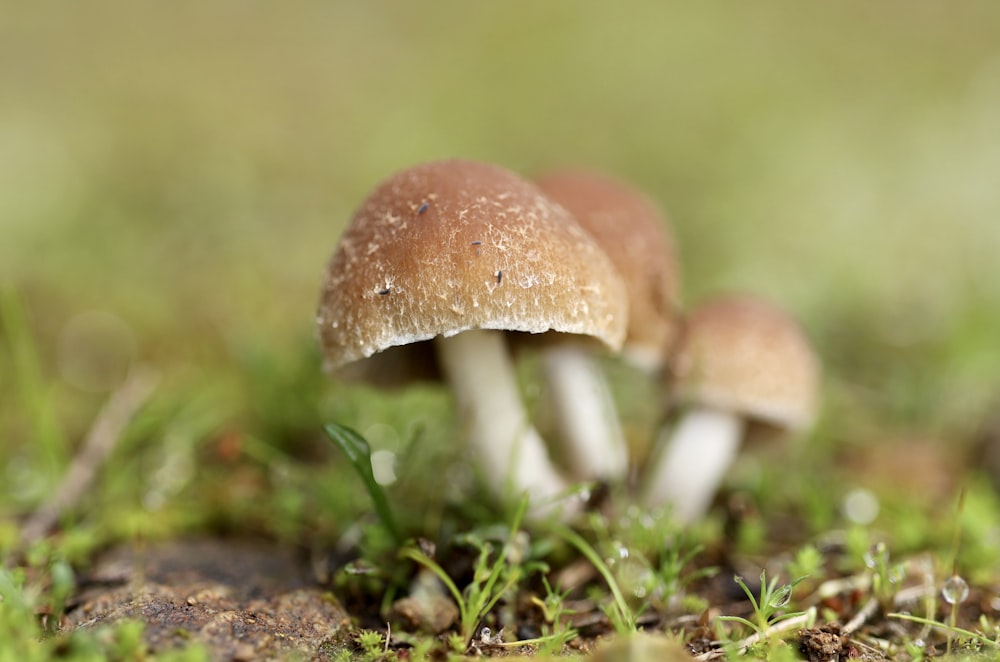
(416, 555)
(501, 561)
(986, 641)
(31, 383)
(621, 606)
(739, 619)
(359, 453)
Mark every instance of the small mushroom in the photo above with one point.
(634, 234)
(422, 260)
(739, 360)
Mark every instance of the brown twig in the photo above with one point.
(101, 439)
(866, 612)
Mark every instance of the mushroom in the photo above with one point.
(460, 252)
(739, 360)
(634, 234)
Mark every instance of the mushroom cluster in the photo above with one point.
(461, 253)
(446, 264)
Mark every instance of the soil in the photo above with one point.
(241, 600)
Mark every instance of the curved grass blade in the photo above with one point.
(359, 453)
(624, 619)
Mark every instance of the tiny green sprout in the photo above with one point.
(987, 627)
(63, 582)
(671, 576)
(372, 644)
(766, 607)
(556, 633)
(457, 643)
(421, 650)
(553, 606)
(885, 577)
(916, 649)
(494, 575)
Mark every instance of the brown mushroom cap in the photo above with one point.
(635, 234)
(742, 354)
(448, 246)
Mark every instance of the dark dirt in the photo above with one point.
(241, 600)
(826, 643)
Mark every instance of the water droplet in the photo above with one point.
(646, 583)
(955, 590)
(877, 555)
(781, 597)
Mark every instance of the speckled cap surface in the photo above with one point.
(634, 233)
(448, 246)
(743, 354)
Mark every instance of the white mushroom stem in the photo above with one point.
(511, 454)
(582, 413)
(693, 460)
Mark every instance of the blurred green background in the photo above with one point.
(174, 177)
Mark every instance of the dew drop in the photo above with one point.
(876, 555)
(781, 597)
(955, 590)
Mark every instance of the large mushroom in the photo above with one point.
(633, 232)
(740, 360)
(460, 252)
